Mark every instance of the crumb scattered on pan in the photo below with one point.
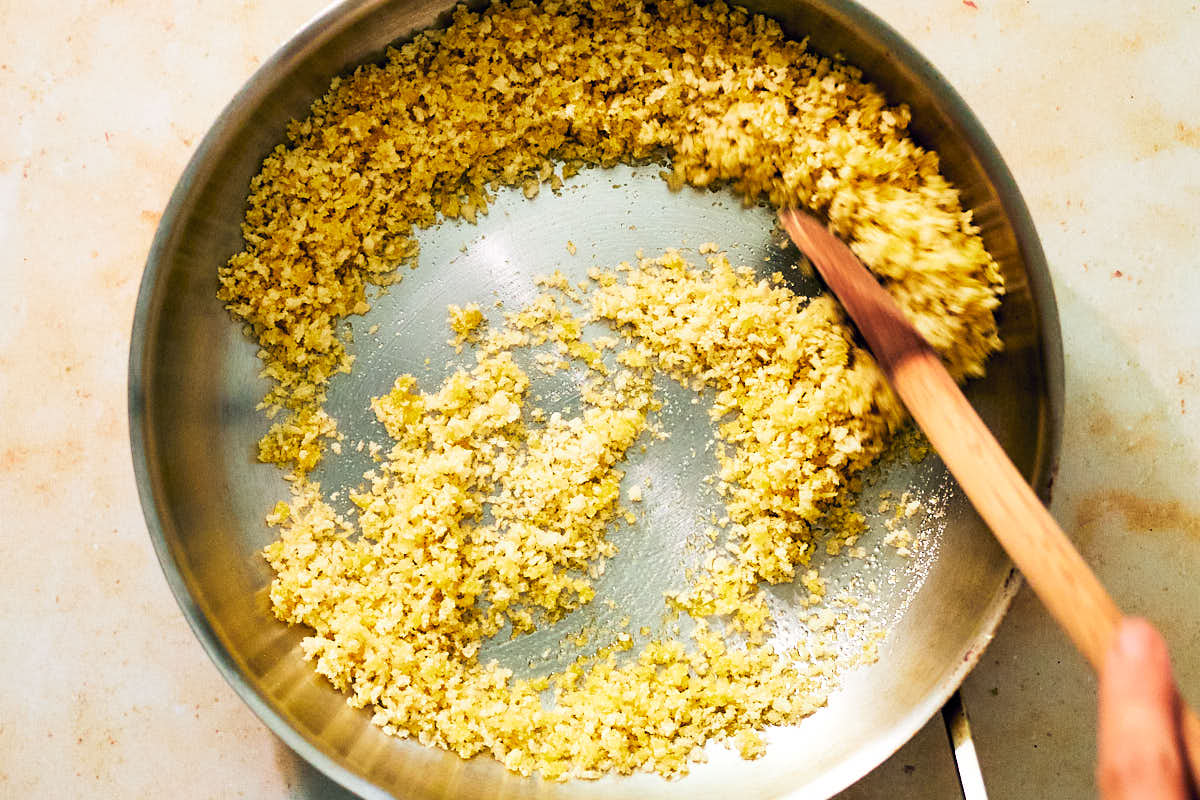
(486, 515)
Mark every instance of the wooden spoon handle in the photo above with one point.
(1058, 574)
(1053, 567)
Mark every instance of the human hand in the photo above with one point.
(1139, 741)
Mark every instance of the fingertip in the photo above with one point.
(1138, 640)
(1138, 749)
(1137, 673)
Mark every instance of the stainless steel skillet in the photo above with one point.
(193, 424)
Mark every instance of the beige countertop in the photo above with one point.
(1095, 106)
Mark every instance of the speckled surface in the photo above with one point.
(1095, 106)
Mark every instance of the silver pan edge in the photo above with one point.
(174, 419)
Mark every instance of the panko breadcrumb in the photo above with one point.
(464, 320)
(499, 97)
(480, 518)
(486, 514)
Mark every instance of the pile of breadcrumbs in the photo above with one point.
(485, 513)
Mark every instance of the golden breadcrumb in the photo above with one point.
(502, 96)
(487, 515)
(465, 320)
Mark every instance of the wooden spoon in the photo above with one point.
(1058, 574)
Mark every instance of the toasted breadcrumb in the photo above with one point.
(456, 113)
(465, 322)
(488, 513)
(749, 744)
(484, 513)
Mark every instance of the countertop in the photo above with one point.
(1095, 106)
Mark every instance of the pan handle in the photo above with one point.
(966, 760)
